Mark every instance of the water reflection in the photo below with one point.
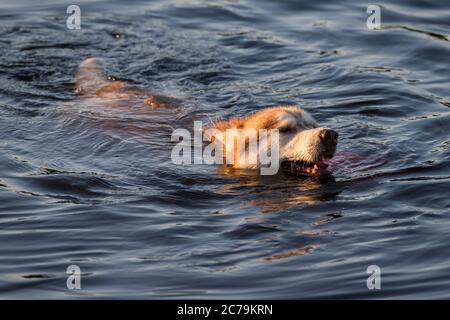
(278, 192)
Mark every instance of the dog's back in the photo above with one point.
(90, 80)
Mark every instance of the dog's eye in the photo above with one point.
(285, 129)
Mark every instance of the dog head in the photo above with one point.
(303, 146)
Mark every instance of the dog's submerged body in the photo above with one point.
(303, 146)
(90, 81)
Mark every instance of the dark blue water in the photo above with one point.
(95, 187)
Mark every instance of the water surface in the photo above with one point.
(96, 187)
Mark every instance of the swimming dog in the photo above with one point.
(304, 147)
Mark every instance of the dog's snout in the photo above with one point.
(329, 136)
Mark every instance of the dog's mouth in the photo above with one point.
(306, 167)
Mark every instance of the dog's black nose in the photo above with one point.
(329, 136)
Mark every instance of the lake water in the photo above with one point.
(96, 188)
